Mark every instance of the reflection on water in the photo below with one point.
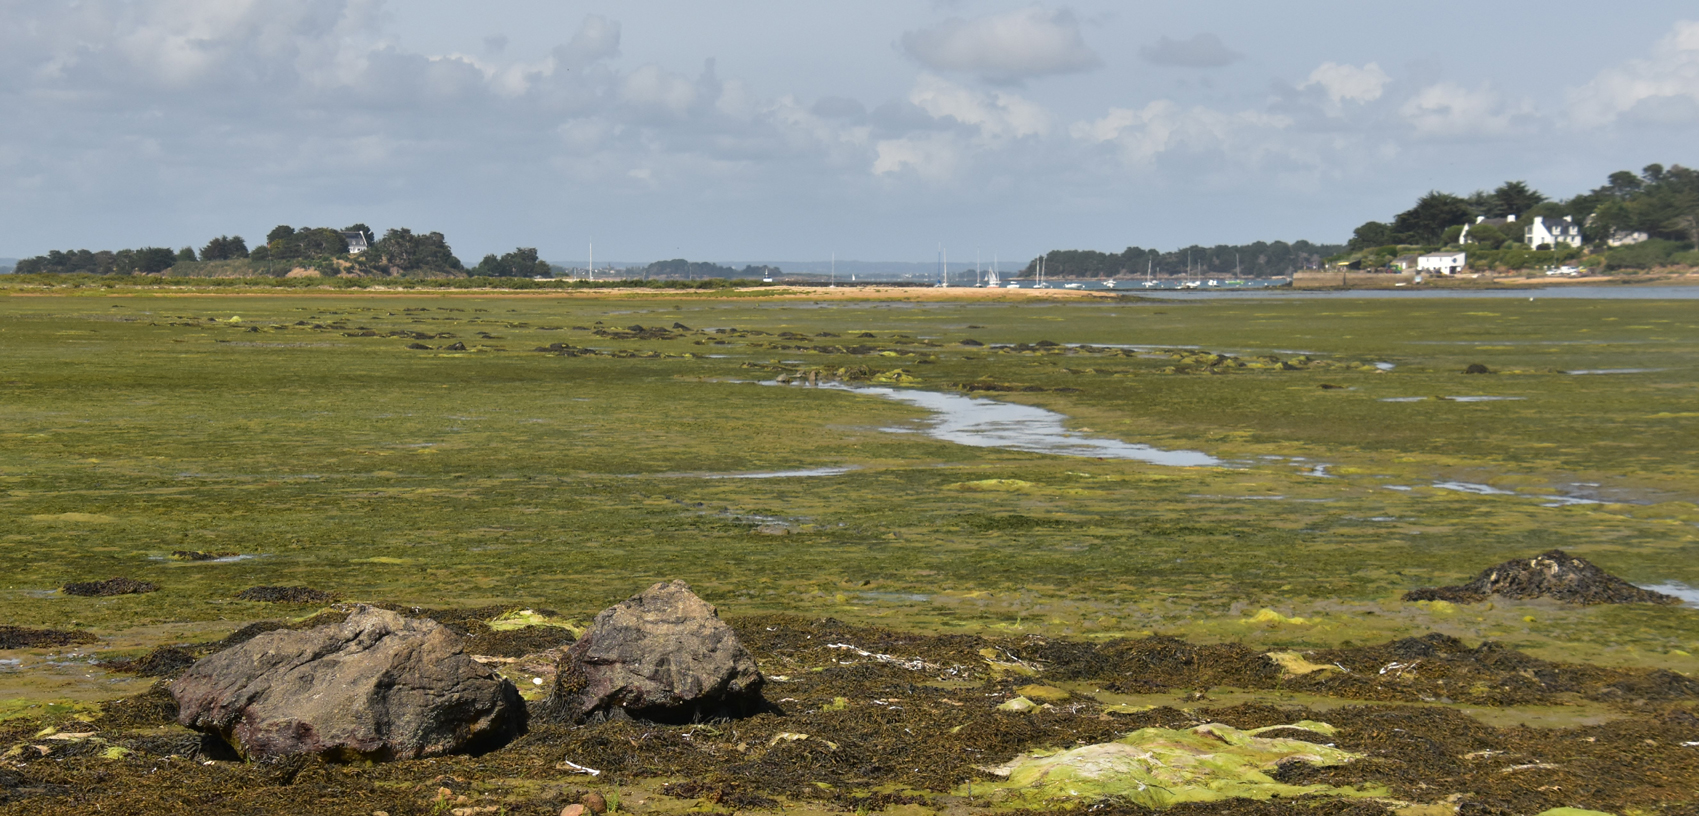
(983, 423)
(783, 474)
(1689, 596)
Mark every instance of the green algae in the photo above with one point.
(1161, 767)
(137, 427)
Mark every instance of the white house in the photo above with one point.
(1554, 232)
(1483, 221)
(356, 242)
(1627, 237)
(1445, 263)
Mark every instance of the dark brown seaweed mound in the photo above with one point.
(197, 555)
(18, 637)
(286, 594)
(1556, 575)
(110, 586)
(165, 661)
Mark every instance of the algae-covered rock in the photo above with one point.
(1554, 574)
(1158, 767)
(1019, 705)
(1043, 694)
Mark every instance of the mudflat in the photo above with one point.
(474, 455)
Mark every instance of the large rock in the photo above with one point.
(374, 687)
(1555, 574)
(662, 655)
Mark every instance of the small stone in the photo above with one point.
(1019, 705)
(594, 803)
(572, 810)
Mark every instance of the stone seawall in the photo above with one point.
(1323, 279)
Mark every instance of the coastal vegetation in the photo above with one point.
(524, 458)
(1633, 221)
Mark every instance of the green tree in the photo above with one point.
(186, 254)
(225, 248)
(279, 233)
(403, 251)
(1486, 236)
(1370, 235)
(1425, 223)
(1515, 198)
(520, 263)
(149, 260)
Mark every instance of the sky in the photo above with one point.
(747, 130)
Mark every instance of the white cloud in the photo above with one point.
(1201, 51)
(933, 156)
(1030, 42)
(1162, 126)
(1661, 88)
(1448, 110)
(1348, 83)
(997, 116)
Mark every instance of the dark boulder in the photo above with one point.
(375, 687)
(662, 655)
(1556, 575)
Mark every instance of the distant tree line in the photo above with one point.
(143, 261)
(400, 252)
(1259, 260)
(1661, 202)
(681, 269)
(520, 263)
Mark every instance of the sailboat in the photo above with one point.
(1041, 284)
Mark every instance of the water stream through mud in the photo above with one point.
(984, 423)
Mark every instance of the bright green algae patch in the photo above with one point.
(1159, 767)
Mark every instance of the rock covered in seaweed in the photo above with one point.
(108, 587)
(662, 655)
(1555, 574)
(376, 686)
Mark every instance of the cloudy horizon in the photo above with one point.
(875, 131)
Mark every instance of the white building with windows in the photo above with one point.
(1444, 263)
(1553, 232)
(1502, 224)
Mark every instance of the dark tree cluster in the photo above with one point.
(144, 261)
(401, 250)
(1661, 202)
(224, 248)
(1258, 260)
(520, 263)
(287, 243)
(681, 269)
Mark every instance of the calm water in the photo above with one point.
(984, 423)
(1568, 292)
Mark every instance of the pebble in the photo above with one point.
(572, 810)
(594, 803)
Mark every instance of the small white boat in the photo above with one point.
(1073, 286)
(1109, 284)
